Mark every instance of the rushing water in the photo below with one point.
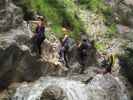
(100, 88)
(74, 90)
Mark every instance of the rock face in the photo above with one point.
(10, 15)
(18, 63)
(14, 51)
(126, 63)
(12, 41)
(123, 11)
(112, 88)
(16, 60)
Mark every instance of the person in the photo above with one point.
(83, 53)
(111, 61)
(107, 63)
(64, 47)
(39, 35)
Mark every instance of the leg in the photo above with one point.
(40, 40)
(83, 64)
(108, 70)
(61, 53)
(34, 44)
(66, 58)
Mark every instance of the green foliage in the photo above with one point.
(64, 13)
(59, 13)
(57, 29)
(99, 7)
(95, 5)
(111, 32)
(100, 46)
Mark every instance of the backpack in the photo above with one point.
(66, 43)
(104, 63)
(40, 32)
(84, 49)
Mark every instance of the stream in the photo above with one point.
(101, 87)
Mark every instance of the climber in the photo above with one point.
(107, 63)
(83, 50)
(111, 62)
(39, 35)
(64, 47)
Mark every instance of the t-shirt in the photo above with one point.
(40, 31)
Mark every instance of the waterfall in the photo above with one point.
(100, 88)
(73, 89)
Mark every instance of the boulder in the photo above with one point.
(107, 87)
(53, 93)
(18, 63)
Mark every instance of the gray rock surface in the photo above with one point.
(16, 60)
(10, 15)
(122, 10)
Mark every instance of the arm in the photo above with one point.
(34, 22)
(66, 36)
(79, 44)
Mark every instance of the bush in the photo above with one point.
(59, 13)
(112, 30)
(95, 5)
(100, 46)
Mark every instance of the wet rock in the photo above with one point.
(107, 87)
(101, 87)
(53, 93)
